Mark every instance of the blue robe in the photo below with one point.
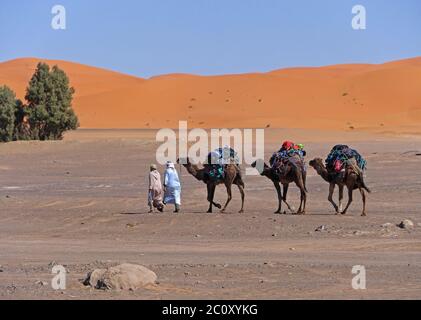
(173, 187)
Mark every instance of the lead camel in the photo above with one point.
(231, 176)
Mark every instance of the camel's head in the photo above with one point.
(316, 164)
(259, 165)
(183, 161)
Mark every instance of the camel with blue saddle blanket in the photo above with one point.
(227, 172)
(343, 167)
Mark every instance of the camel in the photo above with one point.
(290, 172)
(232, 175)
(352, 178)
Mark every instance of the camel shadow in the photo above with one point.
(134, 213)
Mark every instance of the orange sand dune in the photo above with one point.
(384, 97)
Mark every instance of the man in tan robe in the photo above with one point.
(155, 190)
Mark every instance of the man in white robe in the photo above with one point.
(172, 187)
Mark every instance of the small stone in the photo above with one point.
(406, 224)
(291, 249)
(321, 228)
(197, 236)
(41, 283)
(274, 235)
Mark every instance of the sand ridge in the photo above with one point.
(384, 98)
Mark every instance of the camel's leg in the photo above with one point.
(211, 194)
(241, 188)
(300, 185)
(364, 201)
(304, 191)
(284, 198)
(279, 192)
(330, 198)
(341, 197)
(350, 192)
(229, 193)
(303, 200)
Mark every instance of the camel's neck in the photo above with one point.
(267, 172)
(195, 171)
(322, 171)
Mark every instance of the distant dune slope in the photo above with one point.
(334, 97)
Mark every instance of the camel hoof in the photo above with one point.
(218, 206)
(364, 215)
(209, 211)
(222, 211)
(277, 212)
(241, 211)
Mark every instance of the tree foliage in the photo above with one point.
(8, 107)
(49, 97)
(48, 112)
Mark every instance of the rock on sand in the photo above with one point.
(122, 277)
(406, 224)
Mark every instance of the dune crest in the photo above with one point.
(385, 97)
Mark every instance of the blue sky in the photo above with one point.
(147, 38)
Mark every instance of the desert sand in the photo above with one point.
(81, 203)
(380, 98)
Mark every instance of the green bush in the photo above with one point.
(8, 107)
(48, 112)
(49, 97)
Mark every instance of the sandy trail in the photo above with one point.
(81, 203)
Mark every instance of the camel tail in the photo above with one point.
(363, 185)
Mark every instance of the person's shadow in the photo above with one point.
(135, 213)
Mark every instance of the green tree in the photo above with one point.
(22, 126)
(49, 98)
(8, 106)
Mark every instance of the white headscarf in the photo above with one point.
(170, 165)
